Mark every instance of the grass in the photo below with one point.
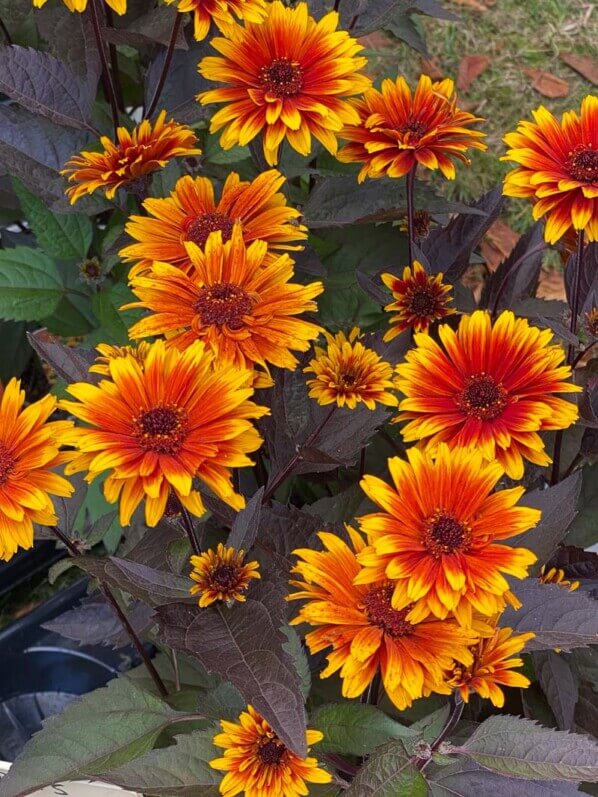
(516, 35)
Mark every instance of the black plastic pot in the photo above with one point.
(27, 564)
(40, 671)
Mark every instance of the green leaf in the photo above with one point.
(583, 529)
(523, 749)
(105, 305)
(297, 653)
(95, 733)
(30, 285)
(172, 770)
(356, 728)
(388, 773)
(66, 236)
(15, 351)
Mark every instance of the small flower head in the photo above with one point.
(558, 169)
(554, 575)
(107, 353)
(29, 453)
(222, 575)
(398, 130)
(493, 666)
(91, 271)
(347, 372)
(257, 763)
(135, 155)
(288, 77)
(421, 225)
(221, 12)
(419, 300)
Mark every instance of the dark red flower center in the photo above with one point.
(173, 506)
(282, 78)
(482, 397)
(271, 752)
(582, 164)
(7, 463)
(225, 577)
(223, 303)
(422, 302)
(377, 605)
(198, 228)
(421, 224)
(445, 534)
(348, 380)
(415, 128)
(162, 429)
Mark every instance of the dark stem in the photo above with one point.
(353, 21)
(410, 224)
(189, 529)
(108, 594)
(457, 706)
(289, 467)
(514, 266)
(338, 762)
(114, 63)
(362, 463)
(336, 5)
(139, 647)
(558, 441)
(7, 35)
(583, 353)
(175, 669)
(108, 84)
(372, 694)
(166, 66)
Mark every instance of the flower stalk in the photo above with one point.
(108, 84)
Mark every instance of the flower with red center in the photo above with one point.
(288, 76)
(258, 764)
(365, 632)
(436, 535)
(489, 386)
(191, 213)
(492, 667)
(558, 169)
(131, 159)
(120, 6)
(242, 307)
(29, 452)
(157, 424)
(554, 575)
(397, 131)
(347, 372)
(419, 300)
(222, 575)
(221, 12)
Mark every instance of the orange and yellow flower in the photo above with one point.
(107, 353)
(191, 213)
(222, 575)
(397, 130)
(220, 12)
(558, 169)
(120, 6)
(554, 575)
(493, 666)
(157, 424)
(258, 764)
(132, 158)
(419, 300)
(242, 308)
(288, 76)
(365, 632)
(436, 535)
(489, 386)
(29, 451)
(347, 372)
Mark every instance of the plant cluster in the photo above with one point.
(347, 499)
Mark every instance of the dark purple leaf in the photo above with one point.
(155, 587)
(468, 779)
(71, 364)
(246, 523)
(373, 288)
(183, 84)
(155, 27)
(588, 286)
(559, 684)
(560, 330)
(575, 562)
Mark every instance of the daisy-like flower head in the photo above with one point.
(221, 12)
(554, 575)
(288, 76)
(365, 632)
(242, 307)
(494, 662)
(436, 535)
(257, 763)
(191, 213)
(398, 130)
(29, 450)
(156, 425)
(120, 6)
(558, 169)
(107, 353)
(418, 300)
(222, 575)
(347, 372)
(487, 385)
(135, 155)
